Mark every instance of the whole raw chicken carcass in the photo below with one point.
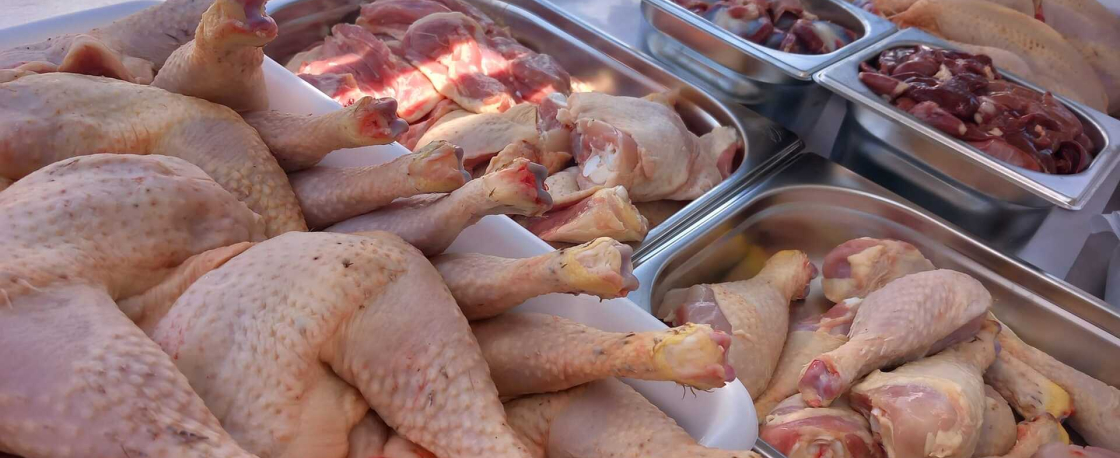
(530, 353)
(130, 49)
(755, 312)
(860, 266)
(1096, 414)
(486, 286)
(1055, 64)
(836, 431)
(644, 146)
(292, 342)
(932, 407)
(91, 245)
(603, 418)
(911, 317)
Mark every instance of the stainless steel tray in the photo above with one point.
(774, 83)
(588, 55)
(939, 171)
(812, 204)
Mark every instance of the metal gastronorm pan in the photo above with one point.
(811, 204)
(775, 83)
(589, 56)
(946, 171)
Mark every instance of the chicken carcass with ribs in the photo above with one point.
(486, 286)
(530, 353)
(755, 312)
(911, 317)
(860, 266)
(603, 418)
(292, 342)
(644, 146)
(836, 431)
(932, 407)
(515, 190)
(376, 70)
(93, 244)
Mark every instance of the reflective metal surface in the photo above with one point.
(589, 56)
(938, 171)
(811, 204)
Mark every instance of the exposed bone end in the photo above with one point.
(236, 23)
(820, 383)
(519, 188)
(602, 267)
(791, 271)
(694, 355)
(438, 167)
(374, 121)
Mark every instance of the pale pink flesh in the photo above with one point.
(835, 263)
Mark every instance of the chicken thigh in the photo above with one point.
(905, 320)
(800, 431)
(292, 342)
(997, 433)
(859, 266)
(80, 376)
(933, 407)
(56, 116)
(755, 312)
(223, 62)
(603, 418)
(452, 50)
(485, 286)
(1096, 414)
(531, 353)
(515, 190)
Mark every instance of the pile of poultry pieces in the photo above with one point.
(908, 363)
(160, 294)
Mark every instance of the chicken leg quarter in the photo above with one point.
(79, 376)
(292, 342)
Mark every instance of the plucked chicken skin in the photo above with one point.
(997, 431)
(860, 266)
(332, 318)
(82, 378)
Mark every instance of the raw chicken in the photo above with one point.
(1029, 392)
(857, 267)
(377, 71)
(334, 194)
(1056, 450)
(372, 438)
(1096, 414)
(292, 342)
(606, 213)
(452, 50)
(932, 407)
(59, 115)
(342, 87)
(530, 353)
(800, 431)
(301, 141)
(806, 340)
(565, 191)
(223, 62)
(1055, 64)
(755, 312)
(392, 17)
(515, 190)
(485, 286)
(80, 376)
(416, 130)
(997, 432)
(600, 419)
(1033, 436)
(554, 161)
(644, 146)
(1095, 32)
(913, 316)
(484, 135)
(129, 49)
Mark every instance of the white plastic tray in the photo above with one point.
(722, 418)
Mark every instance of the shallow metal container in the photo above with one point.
(940, 172)
(775, 83)
(589, 56)
(813, 205)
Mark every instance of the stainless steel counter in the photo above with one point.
(1054, 246)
